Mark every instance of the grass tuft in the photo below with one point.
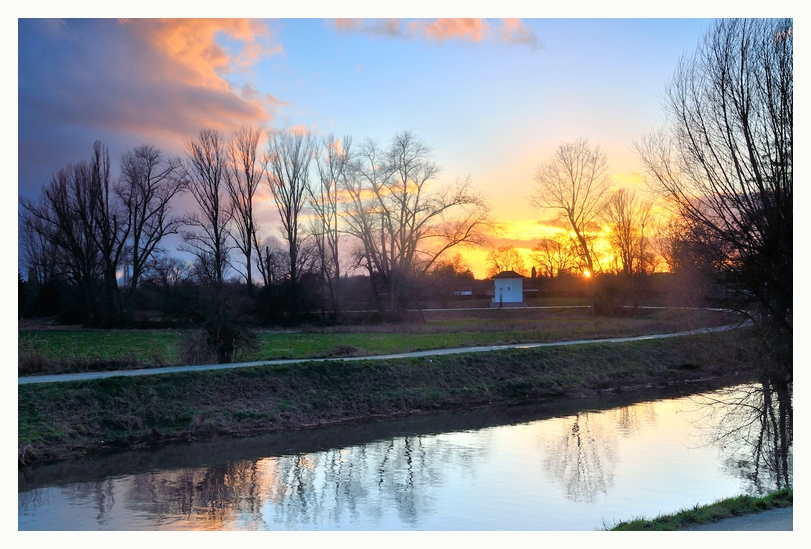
(707, 514)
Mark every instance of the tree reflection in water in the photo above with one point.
(583, 458)
(293, 491)
(206, 498)
(631, 419)
(361, 482)
(752, 429)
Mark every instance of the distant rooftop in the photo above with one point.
(508, 274)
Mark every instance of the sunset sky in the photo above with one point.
(493, 97)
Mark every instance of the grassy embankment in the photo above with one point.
(60, 420)
(55, 351)
(707, 514)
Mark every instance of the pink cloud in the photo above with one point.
(512, 31)
(474, 30)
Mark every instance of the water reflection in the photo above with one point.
(485, 475)
(752, 429)
(582, 455)
(339, 486)
(631, 419)
(583, 458)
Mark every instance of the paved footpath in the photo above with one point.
(771, 520)
(436, 352)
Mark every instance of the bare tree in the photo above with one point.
(724, 159)
(272, 260)
(246, 174)
(79, 217)
(208, 236)
(38, 254)
(287, 166)
(455, 266)
(554, 256)
(404, 224)
(333, 166)
(666, 240)
(574, 182)
(112, 229)
(362, 218)
(505, 258)
(148, 182)
(628, 218)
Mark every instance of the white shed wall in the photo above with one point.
(509, 290)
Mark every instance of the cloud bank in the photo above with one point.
(147, 80)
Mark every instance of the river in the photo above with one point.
(577, 464)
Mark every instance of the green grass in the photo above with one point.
(707, 514)
(52, 351)
(105, 344)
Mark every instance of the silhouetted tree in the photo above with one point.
(112, 230)
(403, 223)
(246, 174)
(629, 219)
(208, 237)
(724, 160)
(84, 227)
(333, 165)
(574, 182)
(554, 256)
(505, 258)
(287, 166)
(149, 181)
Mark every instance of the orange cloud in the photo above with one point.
(190, 44)
(300, 129)
(187, 62)
(474, 30)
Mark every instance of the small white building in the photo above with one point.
(509, 290)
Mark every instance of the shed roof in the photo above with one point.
(508, 274)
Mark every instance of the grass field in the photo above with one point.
(66, 350)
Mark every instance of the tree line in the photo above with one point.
(99, 237)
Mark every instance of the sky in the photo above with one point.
(492, 97)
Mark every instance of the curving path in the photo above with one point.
(436, 352)
(770, 520)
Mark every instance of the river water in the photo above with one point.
(569, 465)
